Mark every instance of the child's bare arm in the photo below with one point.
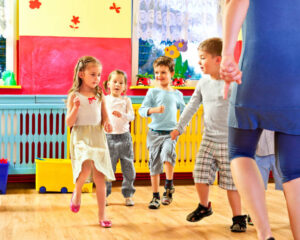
(159, 109)
(72, 109)
(104, 116)
(174, 134)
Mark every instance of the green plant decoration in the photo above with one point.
(180, 68)
(146, 75)
(9, 78)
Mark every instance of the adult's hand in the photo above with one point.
(229, 72)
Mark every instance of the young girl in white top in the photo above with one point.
(119, 141)
(86, 113)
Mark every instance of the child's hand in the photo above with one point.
(107, 127)
(174, 134)
(117, 114)
(159, 109)
(76, 101)
(229, 72)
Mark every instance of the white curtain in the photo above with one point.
(2, 18)
(189, 20)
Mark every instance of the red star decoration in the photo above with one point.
(114, 7)
(34, 4)
(75, 20)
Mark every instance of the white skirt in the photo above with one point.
(89, 143)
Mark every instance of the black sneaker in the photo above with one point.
(239, 223)
(249, 220)
(167, 196)
(200, 213)
(154, 204)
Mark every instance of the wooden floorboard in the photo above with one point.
(26, 214)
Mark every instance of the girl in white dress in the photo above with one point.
(86, 113)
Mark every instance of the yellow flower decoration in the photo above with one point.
(172, 52)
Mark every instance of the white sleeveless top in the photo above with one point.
(89, 112)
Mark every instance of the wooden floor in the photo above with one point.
(26, 214)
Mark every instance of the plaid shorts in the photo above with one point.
(213, 157)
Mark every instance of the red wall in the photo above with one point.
(46, 64)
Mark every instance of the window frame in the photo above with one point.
(11, 35)
(134, 42)
(135, 49)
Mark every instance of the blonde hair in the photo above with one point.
(81, 65)
(115, 72)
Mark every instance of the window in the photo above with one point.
(8, 33)
(160, 26)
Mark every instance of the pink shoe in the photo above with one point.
(74, 208)
(105, 223)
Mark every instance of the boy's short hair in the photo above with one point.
(212, 46)
(164, 61)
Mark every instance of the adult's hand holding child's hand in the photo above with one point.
(229, 72)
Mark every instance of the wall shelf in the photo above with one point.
(147, 87)
(10, 87)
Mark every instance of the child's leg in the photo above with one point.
(276, 172)
(155, 183)
(127, 165)
(204, 170)
(114, 157)
(169, 171)
(168, 157)
(235, 202)
(203, 193)
(154, 145)
(99, 180)
(264, 166)
(85, 172)
(204, 175)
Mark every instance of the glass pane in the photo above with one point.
(150, 50)
(2, 55)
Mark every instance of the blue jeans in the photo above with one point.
(265, 165)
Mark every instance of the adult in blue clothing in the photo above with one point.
(265, 95)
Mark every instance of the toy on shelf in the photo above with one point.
(144, 79)
(55, 175)
(178, 82)
(4, 164)
(8, 78)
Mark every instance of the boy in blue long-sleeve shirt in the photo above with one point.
(161, 104)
